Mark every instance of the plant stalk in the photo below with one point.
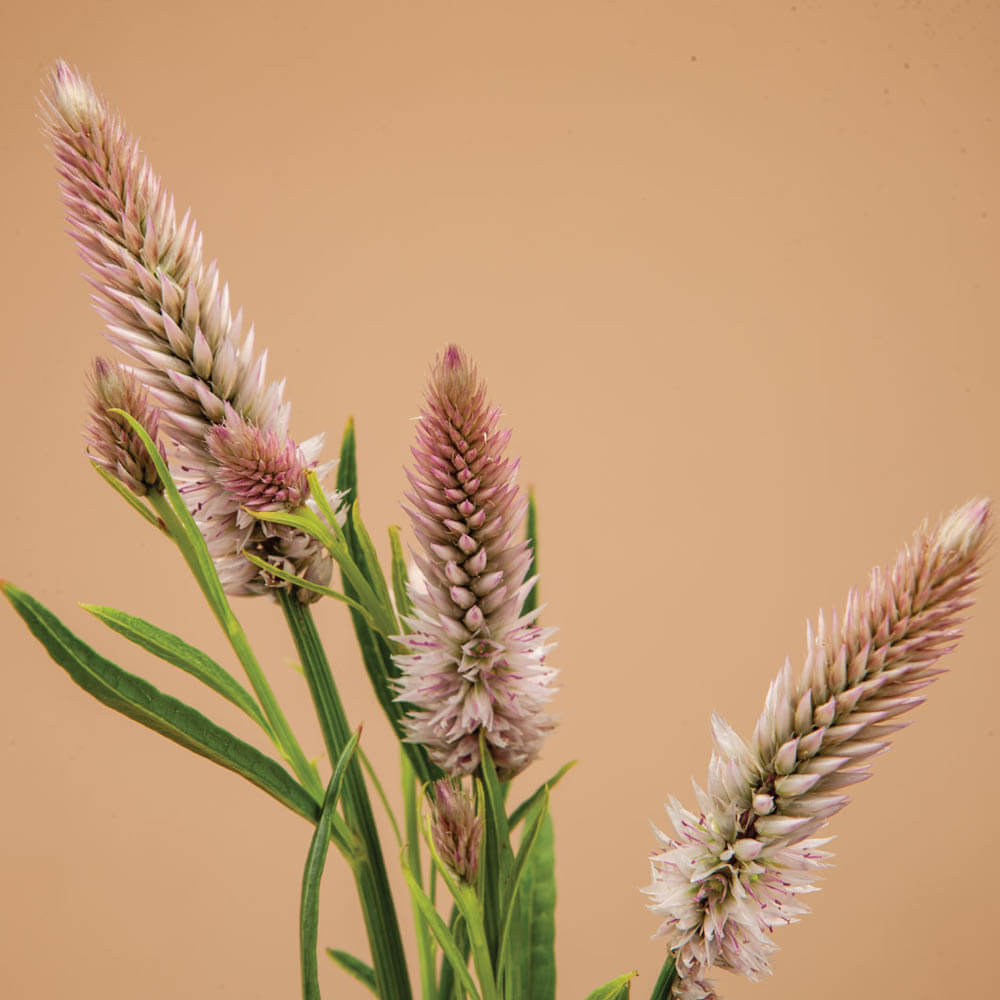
(378, 907)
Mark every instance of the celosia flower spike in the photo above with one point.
(111, 442)
(738, 868)
(166, 308)
(473, 662)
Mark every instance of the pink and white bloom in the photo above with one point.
(473, 663)
(169, 311)
(740, 865)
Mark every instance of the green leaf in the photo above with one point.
(496, 856)
(301, 581)
(522, 810)
(471, 908)
(347, 467)
(375, 652)
(400, 576)
(370, 565)
(531, 601)
(440, 931)
(187, 536)
(181, 525)
(313, 874)
(524, 852)
(361, 971)
(139, 700)
(617, 989)
(175, 650)
(537, 902)
(128, 496)
(661, 991)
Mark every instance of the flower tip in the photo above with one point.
(964, 529)
(71, 95)
(452, 356)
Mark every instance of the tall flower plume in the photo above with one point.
(474, 663)
(168, 310)
(738, 868)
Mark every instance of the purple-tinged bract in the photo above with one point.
(739, 866)
(474, 664)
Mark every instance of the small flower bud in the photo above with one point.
(111, 442)
(456, 829)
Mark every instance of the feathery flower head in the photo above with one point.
(737, 868)
(112, 443)
(457, 829)
(164, 306)
(473, 662)
(258, 470)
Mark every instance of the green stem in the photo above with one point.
(388, 959)
(662, 988)
(428, 988)
(284, 738)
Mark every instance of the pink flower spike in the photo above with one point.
(473, 662)
(732, 873)
(168, 309)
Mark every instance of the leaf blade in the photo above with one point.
(313, 874)
(143, 703)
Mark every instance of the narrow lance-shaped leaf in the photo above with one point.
(400, 576)
(522, 810)
(375, 652)
(497, 856)
(353, 966)
(139, 700)
(175, 650)
(537, 902)
(526, 848)
(188, 538)
(531, 530)
(441, 932)
(616, 989)
(312, 876)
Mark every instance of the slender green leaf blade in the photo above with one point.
(175, 650)
(537, 902)
(347, 467)
(496, 856)
(617, 989)
(528, 841)
(353, 966)
(141, 701)
(522, 810)
(128, 496)
(400, 575)
(665, 980)
(531, 601)
(301, 581)
(189, 539)
(370, 565)
(313, 874)
(441, 932)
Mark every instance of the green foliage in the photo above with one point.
(313, 874)
(139, 700)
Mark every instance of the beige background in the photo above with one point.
(731, 272)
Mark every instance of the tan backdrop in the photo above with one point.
(731, 272)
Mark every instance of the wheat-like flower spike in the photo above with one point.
(473, 662)
(164, 306)
(740, 865)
